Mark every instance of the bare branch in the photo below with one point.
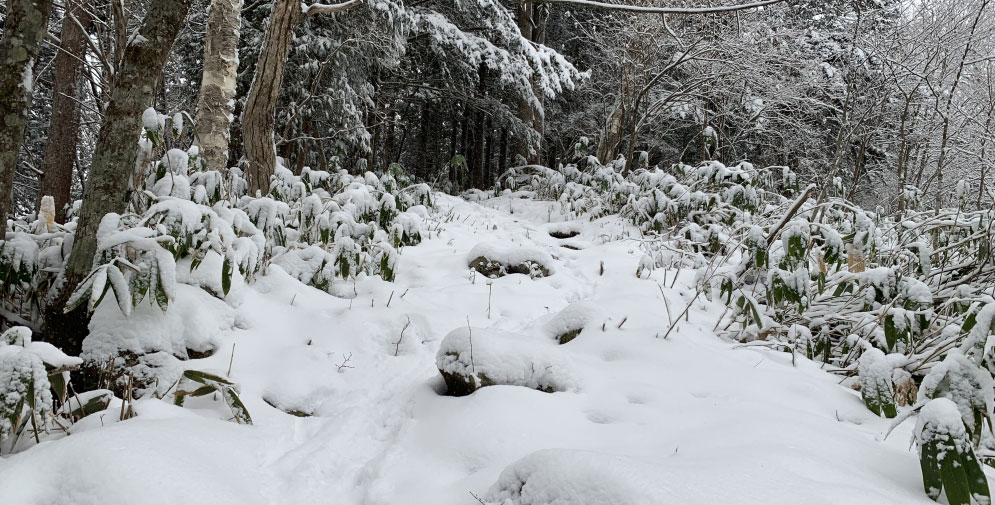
(636, 9)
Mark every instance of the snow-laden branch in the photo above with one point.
(315, 9)
(661, 10)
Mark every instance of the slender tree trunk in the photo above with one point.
(503, 154)
(63, 129)
(526, 110)
(453, 132)
(23, 30)
(608, 145)
(114, 159)
(488, 155)
(260, 107)
(421, 151)
(981, 157)
(478, 132)
(938, 198)
(216, 102)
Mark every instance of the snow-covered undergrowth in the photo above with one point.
(647, 366)
(686, 419)
(192, 240)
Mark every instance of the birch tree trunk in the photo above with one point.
(114, 159)
(23, 30)
(216, 101)
(63, 130)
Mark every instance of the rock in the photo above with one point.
(571, 321)
(497, 260)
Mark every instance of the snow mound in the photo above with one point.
(572, 477)
(568, 229)
(192, 322)
(472, 358)
(495, 259)
(569, 322)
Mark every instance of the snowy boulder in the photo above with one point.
(569, 322)
(472, 358)
(572, 477)
(496, 260)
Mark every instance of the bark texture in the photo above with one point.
(531, 19)
(63, 130)
(259, 115)
(23, 30)
(114, 159)
(216, 101)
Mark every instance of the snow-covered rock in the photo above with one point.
(472, 358)
(569, 322)
(495, 260)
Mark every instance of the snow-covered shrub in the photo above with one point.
(876, 386)
(949, 464)
(195, 383)
(902, 303)
(27, 373)
(188, 227)
(472, 358)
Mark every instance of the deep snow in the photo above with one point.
(690, 419)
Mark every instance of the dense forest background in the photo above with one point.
(882, 94)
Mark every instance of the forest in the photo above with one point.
(498, 252)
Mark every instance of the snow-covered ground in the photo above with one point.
(690, 419)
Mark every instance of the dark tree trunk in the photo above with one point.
(531, 20)
(259, 115)
(488, 155)
(23, 30)
(63, 130)
(421, 150)
(453, 132)
(114, 159)
(503, 152)
(480, 117)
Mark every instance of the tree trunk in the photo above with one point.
(63, 129)
(526, 110)
(488, 155)
(215, 104)
(23, 30)
(421, 151)
(608, 145)
(114, 159)
(477, 178)
(503, 154)
(260, 108)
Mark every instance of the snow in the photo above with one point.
(511, 255)
(193, 321)
(940, 417)
(152, 120)
(503, 358)
(573, 318)
(570, 477)
(690, 419)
